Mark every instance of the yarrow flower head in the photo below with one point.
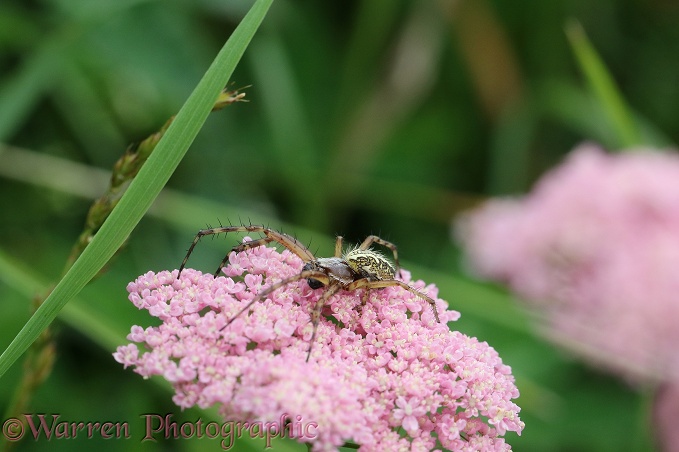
(595, 247)
(384, 375)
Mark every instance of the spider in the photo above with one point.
(359, 268)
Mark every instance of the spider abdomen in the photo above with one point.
(370, 264)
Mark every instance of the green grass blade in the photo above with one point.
(604, 88)
(145, 187)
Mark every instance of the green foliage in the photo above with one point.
(143, 190)
(373, 116)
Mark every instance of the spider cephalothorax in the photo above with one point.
(360, 268)
(354, 265)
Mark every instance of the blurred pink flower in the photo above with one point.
(387, 377)
(595, 246)
(665, 413)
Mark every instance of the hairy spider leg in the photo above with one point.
(338, 246)
(290, 243)
(319, 276)
(380, 241)
(330, 290)
(242, 247)
(369, 284)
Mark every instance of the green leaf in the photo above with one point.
(145, 187)
(604, 88)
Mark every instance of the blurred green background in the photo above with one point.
(377, 116)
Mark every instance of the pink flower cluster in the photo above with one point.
(595, 246)
(385, 375)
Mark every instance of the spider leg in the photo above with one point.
(242, 247)
(338, 246)
(320, 276)
(364, 301)
(316, 313)
(370, 284)
(290, 243)
(380, 241)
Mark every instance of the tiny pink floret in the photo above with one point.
(388, 368)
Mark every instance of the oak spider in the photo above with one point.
(359, 268)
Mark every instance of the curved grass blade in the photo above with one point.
(145, 187)
(604, 87)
